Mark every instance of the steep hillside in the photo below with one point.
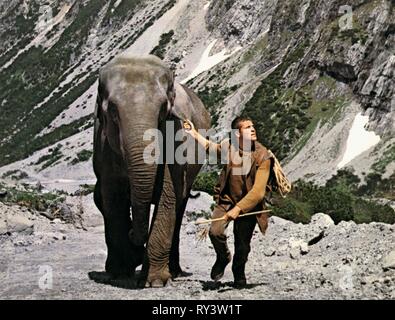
(309, 73)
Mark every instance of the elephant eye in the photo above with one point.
(112, 111)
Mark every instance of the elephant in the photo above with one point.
(135, 94)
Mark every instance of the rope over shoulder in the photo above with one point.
(279, 182)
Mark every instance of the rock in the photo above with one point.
(269, 251)
(279, 221)
(282, 250)
(341, 71)
(294, 253)
(65, 213)
(3, 227)
(304, 248)
(39, 186)
(3, 193)
(59, 236)
(20, 225)
(389, 261)
(191, 228)
(202, 203)
(318, 227)
(322, 220)
(298, 246)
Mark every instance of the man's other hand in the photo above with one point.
(233, 213)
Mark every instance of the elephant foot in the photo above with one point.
(100, 277)
(117, 270)
(126, 282)
(106, 277)
(157, 278)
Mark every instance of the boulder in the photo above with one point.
(298, 247)
(18, 224)
(322, 221)
(3, 227)
(389, 261)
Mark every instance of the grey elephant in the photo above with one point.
(136, 94)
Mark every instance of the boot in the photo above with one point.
(218, 269)
(239, 277)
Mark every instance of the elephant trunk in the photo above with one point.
(141, 178)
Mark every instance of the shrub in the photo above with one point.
(15, 174)
(82, 156)
(367, 211)
(160, 49)
(206, 182)
(32, 199)
(292, 209)
(336, 203)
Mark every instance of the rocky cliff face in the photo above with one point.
(302, 70)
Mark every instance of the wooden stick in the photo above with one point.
(223, 218)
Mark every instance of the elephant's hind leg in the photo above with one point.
(174, 263)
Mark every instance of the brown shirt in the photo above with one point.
(244, 178)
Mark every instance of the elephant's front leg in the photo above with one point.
(161, 235)
(115, 206)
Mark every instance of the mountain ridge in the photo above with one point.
(296, 62)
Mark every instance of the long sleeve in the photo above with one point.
(257, 193)
(219, 150)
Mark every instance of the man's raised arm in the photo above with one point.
(209, 146)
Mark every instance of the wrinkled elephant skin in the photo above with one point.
(136, 94)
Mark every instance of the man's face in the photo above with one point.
(247, 131)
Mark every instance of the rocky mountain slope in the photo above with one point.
(305, 70)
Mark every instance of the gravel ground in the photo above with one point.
(42, 259)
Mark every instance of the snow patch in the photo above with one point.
(359, 140)
(207, 62)
(150, 38)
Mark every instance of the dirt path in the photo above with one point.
(292, 261)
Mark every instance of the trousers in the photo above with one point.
(243, 230)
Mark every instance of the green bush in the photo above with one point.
(292, 209)
(50, 158)
(335, 203)
(160, 49)
(213, 98)
(279, 113)
(15, 174)
(206, 182)
(85, 189)
(82, 156)
(32, 199)
(367, 211)
(335, 199)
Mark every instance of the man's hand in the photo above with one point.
(233, 213)
(189, 128)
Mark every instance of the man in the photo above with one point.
(240, 189)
